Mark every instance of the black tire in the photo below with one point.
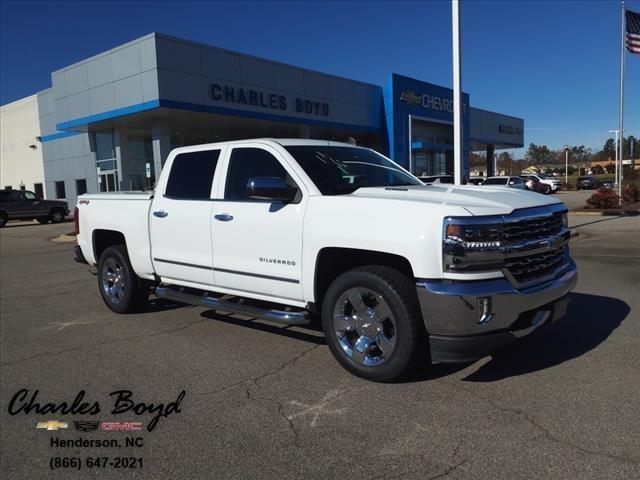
(43, 220)
(398, 294)
(126, 293)
(57, 215)
(3, 219)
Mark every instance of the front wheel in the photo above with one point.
(372, 323)
(121, 289)
(3, 219)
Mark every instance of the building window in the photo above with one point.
(60, 191)
(23, 187)
(105, 151)
(191, 175)
(105, 148)
(8, 187)
(37, 187)
(81, 186)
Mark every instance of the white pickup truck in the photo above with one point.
(398, 272)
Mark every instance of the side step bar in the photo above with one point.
(206, 300)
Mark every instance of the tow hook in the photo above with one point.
(484, 310)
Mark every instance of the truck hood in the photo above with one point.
(477, 200)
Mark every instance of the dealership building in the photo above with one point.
(108, 122)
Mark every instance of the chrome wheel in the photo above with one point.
(113, 281)
(364, 326)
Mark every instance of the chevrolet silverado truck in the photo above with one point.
(398, 272)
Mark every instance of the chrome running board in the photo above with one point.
(299, 317)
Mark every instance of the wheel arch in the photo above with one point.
(103, 239)
(333, 261)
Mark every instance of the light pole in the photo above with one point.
(566, 165)
(458, 149)
(616, 174)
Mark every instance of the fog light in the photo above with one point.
(484, 310)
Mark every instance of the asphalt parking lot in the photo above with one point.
(265, 401)
(574, 199)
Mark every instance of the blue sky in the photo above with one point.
(554, 63)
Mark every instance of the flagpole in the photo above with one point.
(457, 95)
(621, 143)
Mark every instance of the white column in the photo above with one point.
(122, 158)
(161, 140)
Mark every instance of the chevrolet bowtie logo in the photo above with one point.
(52, 425)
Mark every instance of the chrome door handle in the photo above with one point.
(223, 217)
(160, 213)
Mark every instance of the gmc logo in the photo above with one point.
(117, 426)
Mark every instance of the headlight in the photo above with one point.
(471, 246)
(474, 236)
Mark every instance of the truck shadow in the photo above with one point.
(589, 321)
(311, 333)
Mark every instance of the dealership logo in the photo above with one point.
(509, 130)
(52, 425)
(86, 426)
(121, 426)
(430, 102)
(266, 100)
(410, 97)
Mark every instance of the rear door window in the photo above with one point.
(191, 175)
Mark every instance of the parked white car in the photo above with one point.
(398, 272)
(510, 182)
(554, 183)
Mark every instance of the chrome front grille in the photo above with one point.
(529, 246)
(531, 268)
(532, 228)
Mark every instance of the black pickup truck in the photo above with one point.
(26, 205)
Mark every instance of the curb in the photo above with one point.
(607, 213)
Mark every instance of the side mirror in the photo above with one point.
(270, 188)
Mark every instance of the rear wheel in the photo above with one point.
(121, 289)
(56, 215)
(372, 323)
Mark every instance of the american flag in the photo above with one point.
(633, 31)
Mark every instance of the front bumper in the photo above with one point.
(468, 320)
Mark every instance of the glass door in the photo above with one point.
(108, 181)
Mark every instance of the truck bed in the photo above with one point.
(126, 212)
(117, 196)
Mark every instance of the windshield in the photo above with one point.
(495, 181)
(342, 170)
